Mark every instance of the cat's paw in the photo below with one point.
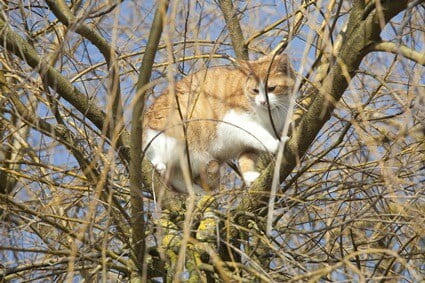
(250, 176)
(272, 145)
(160, 167)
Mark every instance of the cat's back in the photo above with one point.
(206, 94)
(223, 81)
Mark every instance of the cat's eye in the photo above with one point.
(255, 90)
(271, 88)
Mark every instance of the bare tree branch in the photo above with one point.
(399, 49)
(234, 28)
(64, 14)
(136, 179)
(15, 44)
(348, 210)
(363, 31)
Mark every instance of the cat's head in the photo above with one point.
(270, 78)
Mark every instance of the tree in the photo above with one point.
(344, 200)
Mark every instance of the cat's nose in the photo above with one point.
(263, 101)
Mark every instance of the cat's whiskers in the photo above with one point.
(280, 106)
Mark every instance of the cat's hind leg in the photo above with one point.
(209, 176)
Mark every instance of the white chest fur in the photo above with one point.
(241, 131)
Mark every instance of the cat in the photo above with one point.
(219, 114)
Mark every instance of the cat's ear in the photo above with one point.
(281, 63)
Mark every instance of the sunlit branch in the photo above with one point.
(354, 49)
(136, 179)
(15, 44)
(64, 14)
(235, 30)
(399, 49)
(67, 231)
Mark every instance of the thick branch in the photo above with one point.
(399, 49)
(66, 137)
(354, 49)
(363, 31)
(65, 16)
(234, 28)
(15, 44)
(136, 179)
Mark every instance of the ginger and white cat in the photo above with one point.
(216, 115)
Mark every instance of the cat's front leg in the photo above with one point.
(159, 166)
(262, 140)
(271, 143)
(245, 129)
